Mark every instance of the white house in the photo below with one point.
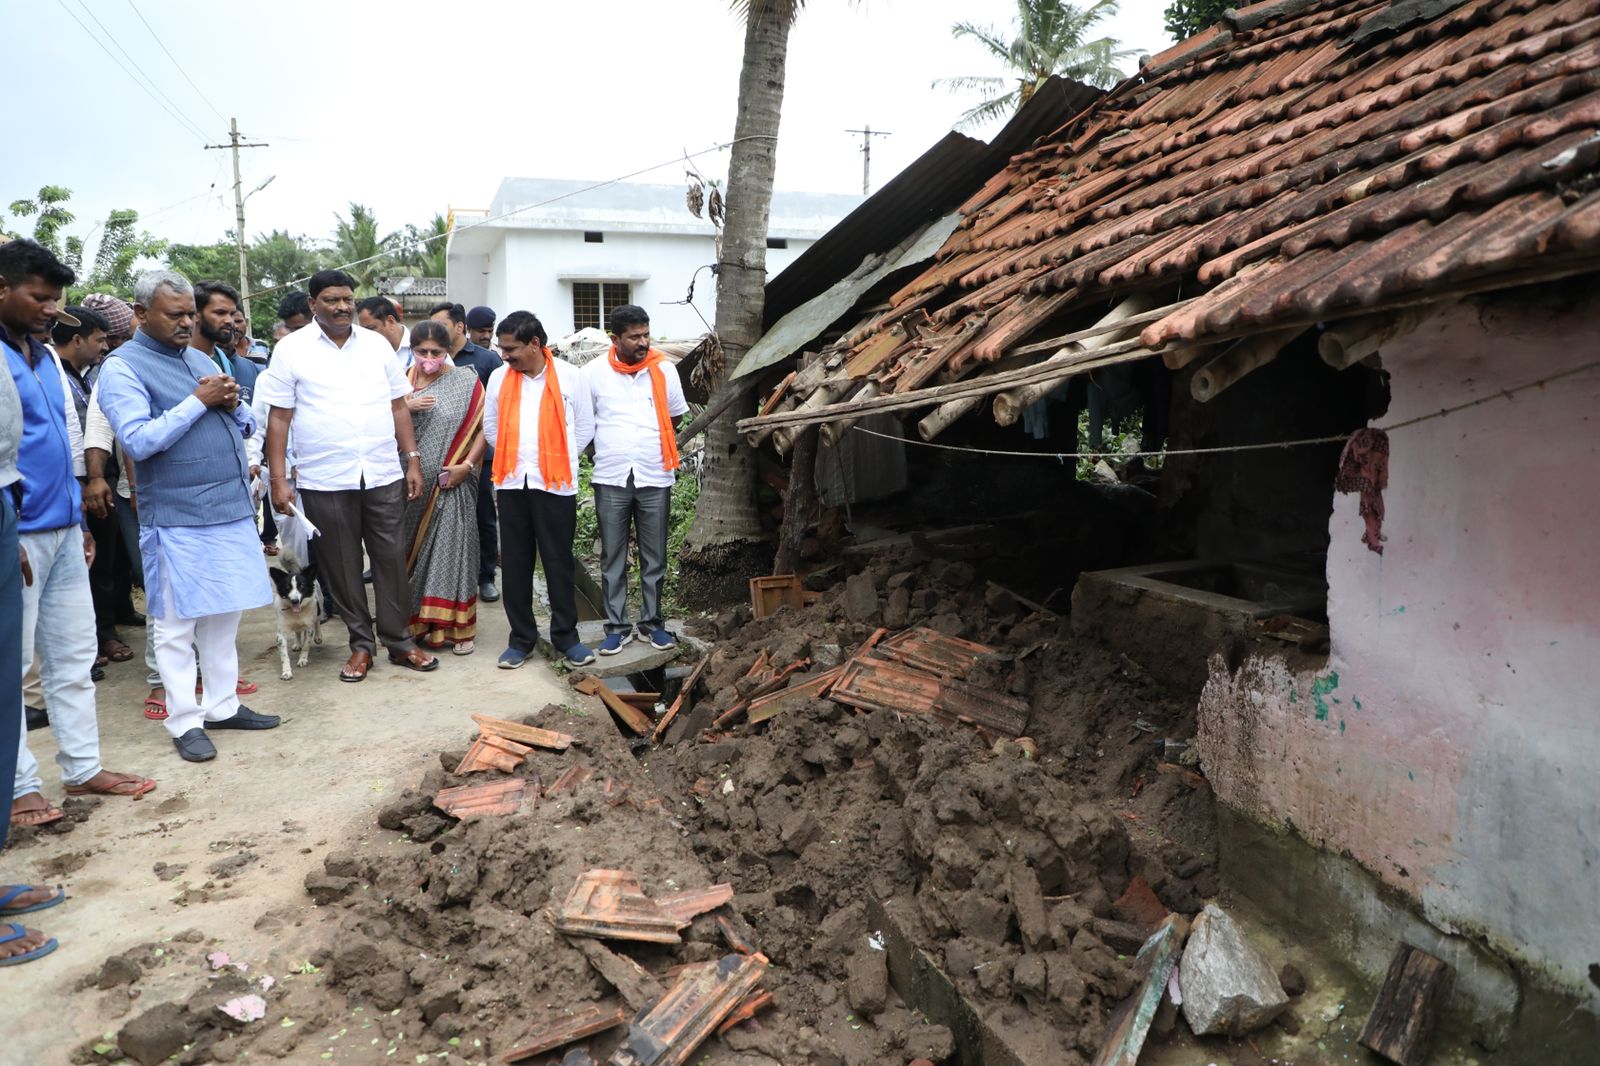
(569, 253)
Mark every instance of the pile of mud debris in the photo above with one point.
(858, 844)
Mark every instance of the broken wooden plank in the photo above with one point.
(685, 906)
(771, 402)
(678, 704)
(693, 1007)
(1130, 1024)
(758, 666)
(876, 684)
(1403, 1020)
(640, 699)
(771, 705)
(771, 685)
(490, 752)
(610, 903)
(481, 801)
(631, 716)
(559, 1031)
(524, 734)
(637, 986)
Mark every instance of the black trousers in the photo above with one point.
(538, 526)
(103, 574)
(488, 542)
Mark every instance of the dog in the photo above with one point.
(299, 606)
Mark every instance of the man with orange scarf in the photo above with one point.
(538, 417)
(638, 402)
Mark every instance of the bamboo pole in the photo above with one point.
(1240, 359)
(1009, 405)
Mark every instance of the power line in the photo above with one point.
(206, 100)
(674, 161)
(151, 90)
(1335, 438)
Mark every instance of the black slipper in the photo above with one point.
(246, 719)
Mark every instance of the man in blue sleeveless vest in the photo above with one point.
(184, 426)
(57, 606)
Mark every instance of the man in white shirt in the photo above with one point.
(378, 314)
(343, 390)
(535, 476)
(638, 402)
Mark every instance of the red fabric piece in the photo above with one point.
(1364, 468)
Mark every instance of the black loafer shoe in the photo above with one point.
(195, 746)
(38, 718)
(246, 719)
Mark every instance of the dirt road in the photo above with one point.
(236, 835)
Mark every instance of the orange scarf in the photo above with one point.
(555, 466)
(658, 386)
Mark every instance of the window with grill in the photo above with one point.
(593, 301)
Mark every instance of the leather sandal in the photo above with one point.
(356, 667)
(415, 659)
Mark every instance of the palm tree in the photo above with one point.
(725, 544)
(281, 258)
(1052, 37)
(359, 249)
(423, 248)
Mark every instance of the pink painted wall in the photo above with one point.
(1452, 744)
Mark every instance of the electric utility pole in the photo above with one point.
(238, 207)
(866, 156)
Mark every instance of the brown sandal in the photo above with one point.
(44, 814)
(119, 785)
(356, 667)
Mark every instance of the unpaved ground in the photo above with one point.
(261, 815)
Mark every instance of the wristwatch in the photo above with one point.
(411, 455)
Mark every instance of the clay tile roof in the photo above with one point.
(1304, 158)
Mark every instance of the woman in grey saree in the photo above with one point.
(446, 407)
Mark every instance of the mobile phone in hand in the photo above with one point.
(444, 478)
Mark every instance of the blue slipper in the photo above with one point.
(16, 932)
(13, 891)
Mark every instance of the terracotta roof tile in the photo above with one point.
(1296, 163)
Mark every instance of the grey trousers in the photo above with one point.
(646, 509)
(374, 519)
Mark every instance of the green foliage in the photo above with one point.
(586, 538)
(1051, 37)
(422, 248)
(1185, 18)
(121, 246)
(206, 262)
(357, 245)
(48, 219)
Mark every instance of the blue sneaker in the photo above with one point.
(579, 655)
(614, 642)
(511, 659)
(661, 640)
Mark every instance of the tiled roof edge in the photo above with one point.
(1203, 43)
(1252, 15)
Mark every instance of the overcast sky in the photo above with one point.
(412, 108)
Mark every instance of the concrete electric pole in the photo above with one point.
(239, 197)
(866, 156)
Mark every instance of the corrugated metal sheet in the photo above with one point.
(940, 179)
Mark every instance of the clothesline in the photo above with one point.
(1332, 438)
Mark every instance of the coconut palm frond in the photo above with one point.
(986, 85)
(1051, 37)
(988, 111)
(786, 10)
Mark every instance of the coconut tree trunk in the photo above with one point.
(725, 545)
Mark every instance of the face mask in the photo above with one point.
(430, 366)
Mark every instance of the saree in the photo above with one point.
(442, 524)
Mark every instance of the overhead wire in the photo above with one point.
(674, 161)
(188, 125)
(114, 40)
(197, 90)
(1332, 438)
